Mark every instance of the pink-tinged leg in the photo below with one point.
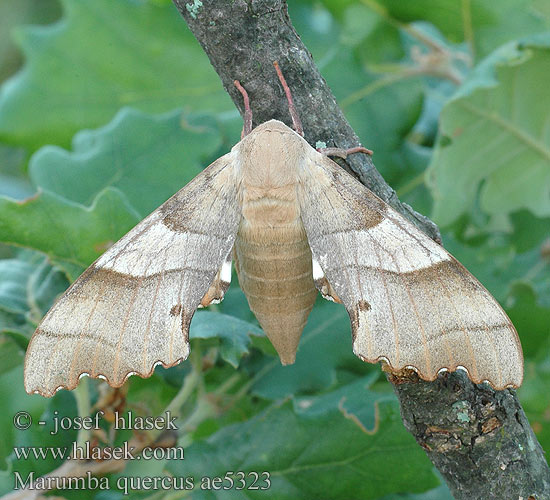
(296, 122)
(247, 125)
(343, 153)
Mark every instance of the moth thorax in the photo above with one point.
(270, 158)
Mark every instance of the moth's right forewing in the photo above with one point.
(410, 302)
(131, 309)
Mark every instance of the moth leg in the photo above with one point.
(343, 153)
(322, 284)
(219, 286)
(247, 125)
(296, 122)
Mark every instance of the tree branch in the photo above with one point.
(479, 439)
(242, 39)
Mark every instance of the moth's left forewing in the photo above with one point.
(131, 309)
(410, 302)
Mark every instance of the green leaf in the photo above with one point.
(152, 394)
(14, 187)
(15, 399)
(11, 354)
(535, 267)
(233, 333)
(142, 55)
(13, 180)
(440, 493)
(498, 266)
(147, 157)
(29, 284)
(66, 230)
(14, 12)
(484, 24)
(15, 326)
(45, 284)
(530, 319)
(14, 275)
(533, 394)
(529, 231)
(235, 303)
(300, 444)
(494, 139)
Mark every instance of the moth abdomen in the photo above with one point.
(275, 273)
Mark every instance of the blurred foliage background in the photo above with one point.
(107, 107)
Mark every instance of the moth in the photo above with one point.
(294, 223)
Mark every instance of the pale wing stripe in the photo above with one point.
(156, 238)
(116, 362)
(413, 303)
(321, 235)
(464, 330)
(99, 341)
(490, 337)
(146, 335)
(165, 215)
(58, 303)
(470, 347)
(391, 215)
(180, 268)
(101, 338)
(109, 263)
(58, 340)
(442, 328)
(112, 259)
(475, 373)
(345, 271)
(394, 322)
(180, 301)
(420, 322)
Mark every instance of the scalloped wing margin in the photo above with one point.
(410, 302)
(131, 309)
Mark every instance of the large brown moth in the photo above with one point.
(295, 222)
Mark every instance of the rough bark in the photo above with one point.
(479, 439)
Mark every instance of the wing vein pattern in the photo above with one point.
(411, 303)
(131, 309)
